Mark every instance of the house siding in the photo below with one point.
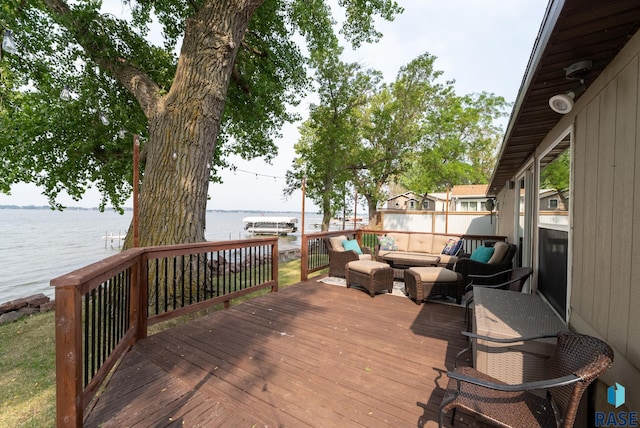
(605, 265)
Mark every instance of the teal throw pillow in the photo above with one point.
(482, 254)
(352, 244)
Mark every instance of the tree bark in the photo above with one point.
(372, 204)
(185, 124)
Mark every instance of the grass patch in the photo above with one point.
(27, 361)
(27, 364)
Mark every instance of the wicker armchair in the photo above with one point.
(338, 257)
(467, 267)
(578, 360)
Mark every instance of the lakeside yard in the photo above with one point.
(27, 362)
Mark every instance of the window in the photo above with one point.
(524, 216)
(426, 205)
(553, 226)
(412, 205)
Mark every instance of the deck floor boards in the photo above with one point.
(311, 354)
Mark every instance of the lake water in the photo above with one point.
(37, 245)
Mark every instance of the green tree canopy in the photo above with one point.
(227, 91)
(415, 131)
(329, 138)
(392, 127)
(459, 142)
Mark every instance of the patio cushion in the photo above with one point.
(435, 274)
(336, 242)
(447, 260)
(407, 258)
(440, 242)
(500, 251)
(421, 242)
(366, 266)
(401, 240)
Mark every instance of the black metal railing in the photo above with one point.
(180, 281)
(104, 308)
(106, 321)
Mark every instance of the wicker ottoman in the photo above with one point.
(420, 283)
(372, 275)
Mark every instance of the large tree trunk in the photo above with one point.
(185, 123)
(326, 213)
(372, 205)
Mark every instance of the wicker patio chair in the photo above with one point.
(577, 361)
(510, 279)
(467, 266)
(338, 259)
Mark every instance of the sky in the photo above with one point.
(484, 45)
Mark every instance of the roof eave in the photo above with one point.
(544, 34)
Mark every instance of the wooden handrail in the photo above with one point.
(74, 389)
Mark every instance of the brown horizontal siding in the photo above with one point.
(309, 355)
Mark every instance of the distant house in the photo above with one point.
(550, 200)
(463, 198)
(410, 201)
(468, 197)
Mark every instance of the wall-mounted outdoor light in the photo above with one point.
(563, 103)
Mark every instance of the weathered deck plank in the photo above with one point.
(309, 355)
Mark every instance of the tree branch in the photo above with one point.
(141, 86)
(253, 50)
(237, 78)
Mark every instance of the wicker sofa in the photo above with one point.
(411, 247)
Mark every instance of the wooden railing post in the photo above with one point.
(69, 397)
(304, 258)
(138, 304)
(274, 266)
(143, 278)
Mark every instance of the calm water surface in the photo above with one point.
(37, 245)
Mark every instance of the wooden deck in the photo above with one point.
(311, 354)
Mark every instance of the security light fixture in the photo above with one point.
(563, 103)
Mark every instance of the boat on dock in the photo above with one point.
(265, 225)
